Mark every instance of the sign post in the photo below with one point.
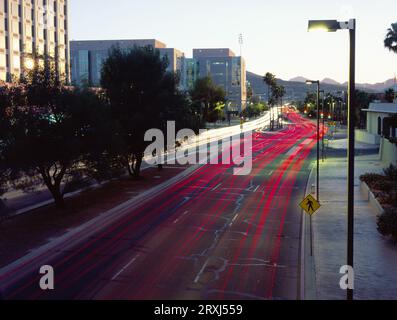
(310, 205)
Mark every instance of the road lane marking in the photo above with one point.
(125, 267)
(234, 219)
(184, 214)
(217, 187)
(197, 279)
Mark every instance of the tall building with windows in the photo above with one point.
(87, 57)
(33, 26)
(225, 69)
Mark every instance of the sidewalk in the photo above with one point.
(375, 256)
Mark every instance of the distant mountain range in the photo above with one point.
(375, 87)
(297, 89)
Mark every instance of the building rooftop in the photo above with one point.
(95, 44)
(213, 53)
(378, 107)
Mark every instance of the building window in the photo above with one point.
(84, 66)
(379, 126)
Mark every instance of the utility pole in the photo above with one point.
(351, 150)
(323, 133)
(317, 82)
(241, 42)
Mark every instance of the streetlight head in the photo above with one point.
(331, 25)
(323, 26)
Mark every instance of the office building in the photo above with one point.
(87, 57)
(29, 27)
(225, 69)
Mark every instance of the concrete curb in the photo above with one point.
(41, 255)
(371, 198)
(308, 270)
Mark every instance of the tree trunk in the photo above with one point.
(58, 197)
(54, 185)
(137, 166)
(129, 169)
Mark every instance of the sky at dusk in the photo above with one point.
(275, 32)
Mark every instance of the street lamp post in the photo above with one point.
(317, 82)
(333, 26)
(323, 129)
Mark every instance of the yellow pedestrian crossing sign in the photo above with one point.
(310, 205)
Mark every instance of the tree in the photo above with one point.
(391, 38)
(271, 82)
(300, 105)
(47, 131)
(278, 92)
(142, 95)
(209, 99)
(254, 110)
(311, 98)
(390, 95)
(363, 100)
(310, 104)
(250, 92)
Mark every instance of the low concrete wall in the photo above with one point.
(388, 152)
(371, 198)
(366, 137)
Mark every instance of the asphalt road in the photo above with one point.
(213, 235)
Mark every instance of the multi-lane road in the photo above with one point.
(212, 235)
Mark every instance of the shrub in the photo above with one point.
(387, 199)
(371, 178)
(393, 199)
(387, 223)
(382, 185)
(391, 173)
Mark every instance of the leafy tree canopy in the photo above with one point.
(142, 96)
(46, 131)
(208, 98)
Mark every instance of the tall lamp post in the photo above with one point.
(317, 82)
(333, 26)
(323, 122)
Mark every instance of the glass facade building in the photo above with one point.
(225, 69)
(87, 57)
(33, 26)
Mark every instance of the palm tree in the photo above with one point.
(391, 38)
(271, 81)
(278, 94)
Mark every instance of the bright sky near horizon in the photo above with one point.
(275, 32)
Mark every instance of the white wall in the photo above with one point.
(388, 152)
(366, 137)
(372, 121)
